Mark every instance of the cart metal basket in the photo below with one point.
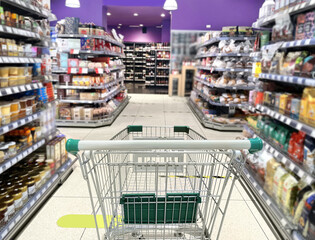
(160, 182)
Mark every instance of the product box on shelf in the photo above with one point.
(62, 60)
(73, 43)
(89, 96)
(300, 27)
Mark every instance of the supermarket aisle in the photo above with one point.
(243, 220)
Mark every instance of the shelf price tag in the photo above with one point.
(74, 51)
(99, 70)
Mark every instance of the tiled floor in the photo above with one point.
(243, 221)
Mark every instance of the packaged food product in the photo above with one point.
(309, 24)
(2, 18)
(9, 201)
(296, 147)
(4, 72)
(4, 82)
(304, 192)
(311, 107)
(271, 168)
(308, 66)
(283, 102)
(307, 209)
(300, 24)
(13, 71)
(289, 193)
(84, 29)
(280, 172)
(309, 154)
(295, 108)
(304, 105)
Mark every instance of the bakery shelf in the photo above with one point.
(218, 39)
(289, 79)
(211, 124)
(224, 87)
(18, 33)
(212, 69)
(287, 120)
(106, 38)
(21, 7)
(18, 89)
(282, 157)
(267, 205)
(106, 85)
(20, 218)
(223, 55)
(292, 11)
(14, 125)
(10, 162)
(109, 96)
(205, 97)
(95, 123)
(7, 60)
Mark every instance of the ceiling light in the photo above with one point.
(120, 24)
(170, 5)
(118, 27)
(208, 26)
(136, 14)
(162, 15)
(73, 3)
(108, 14)
(141, 25)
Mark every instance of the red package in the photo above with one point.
(259, 98)
(296, 146)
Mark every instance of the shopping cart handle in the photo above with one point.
(253, 145)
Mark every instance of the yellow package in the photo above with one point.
(311, 107)
(304, 105)
(283, 103)
(271, 168)
(289, 193)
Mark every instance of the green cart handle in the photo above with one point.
(253, 145)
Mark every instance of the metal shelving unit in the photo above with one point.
(212, 69)
(223, 55)
(7, 59)
(216, 40)
(288, 79)
(19, 89)
(35, 201)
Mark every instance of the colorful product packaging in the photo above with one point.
(300, 23)
(309, 27)
(283, 102)
(295, 108)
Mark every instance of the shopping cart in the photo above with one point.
(160, 182)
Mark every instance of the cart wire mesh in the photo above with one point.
(160, 194)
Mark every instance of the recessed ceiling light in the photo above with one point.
(136, 14)
(141, 25)
(162, 15)
(208, 26)
(120, 24)
(118, 27)
(108, 14)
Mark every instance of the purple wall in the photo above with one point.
(135, 34)
(166, 31)
(196, 14)
(90, 10)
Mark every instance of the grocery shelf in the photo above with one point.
(94, 53)
(162, 76)
(289, 79)
(106, 38)
(291, 10)
(95, 123)
(21, 7)
(157, 85)
(224, 87)
(166, 68)
(8, 59)
(18, 89)
(282, 157)
(21, 122)
(15, 223)
(10, 162)
(299, 43)
(255, 54)
(223, 55)
(206, 122)
(106, 85)
(18, 33)
(205, 97)
(86, 70)
(287, 120)
(109, 96)
(218, 39)
(279, 219)
(212, 69)
(163, 59)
